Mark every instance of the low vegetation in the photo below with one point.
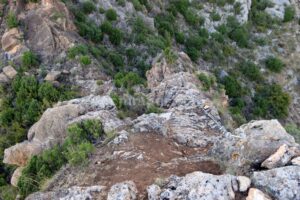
(75, 151)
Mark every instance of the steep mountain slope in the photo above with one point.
(146, 99)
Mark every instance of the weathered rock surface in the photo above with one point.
(9, 71)
(252, 143)
(296, 161)
(74, 193)
(3, 78)
(256, 194)
(244, 183)
(15, 177)
(51, 128)
(196, 186)
(52, 76)
(123, 191)
(280, 158)
(278, 7)
(279, 183)
(11, 41)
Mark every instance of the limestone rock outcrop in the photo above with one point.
(11, 41)
(256, 194)
(279, 183)
(123, 191)
(51, 128)
(75, 193)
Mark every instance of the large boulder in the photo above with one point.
(251, 144)
(279, 183)
(75, 193)
(9, 71)
(52, 126)
(196, 186)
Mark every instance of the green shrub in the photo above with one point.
(116, 36)
(215, 16)
(240, 35)
(191, 17)
(116, 60)
(165, 23)
(101, 10)
(90, 31)
(193, 53)
(180, 37)
(251, 71)
(12, 20)
(153, 109)
(106, 27)
(289, 13)
(271, 102)
(232, 86)
(274, 64)
(88, 7)
(127, 80)
(77, 50)
(111, 15)
(207, 81)
(75, 150)
(85, 60)
(29, 60)
(237, 8)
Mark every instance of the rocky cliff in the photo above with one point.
(126, 100)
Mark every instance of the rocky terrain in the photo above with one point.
(169, 100)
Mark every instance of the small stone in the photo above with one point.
(244, 183)
(256, 194)
(15, 177)
(52, 76)
(9, 71)
(3, 78)
(296, 161)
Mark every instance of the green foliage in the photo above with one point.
(85, 60)
(215, 16)
(153, 109)
(77, 50)
(274, 64)
(106, 27)
(180, 37)
(271, 102)
(207, 81)
(237, 8)
(111, 15)
(237, 32)
(29, 60)
(88, 7)
(232, 86)
(12, 20)
(289, 13)
(90, 31)
(8, 192)
(294, 130)
(251, 71)
(127, 80)
(116, 36)
(191, 17)
(75, 150)
(116, 59)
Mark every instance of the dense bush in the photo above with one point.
(117, 60)
(274, 64)
(88, 7)
(232, 86)
(90, 31)
(271, 102)
(116, 36)
(207, 81)
(215, 16)
(289, 13)
(77, 50)
(251, 71)
(127, 80)
(111, 15)
(29, 60)
(12, 20)
(85, 60)
(75, 150)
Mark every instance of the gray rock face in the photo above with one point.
(11, 41)
(52, 126)
(196, 186)
(277, 10)
(74, 193)
(296, 161)
(123, 191)
(252, 144)
(279, 183)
